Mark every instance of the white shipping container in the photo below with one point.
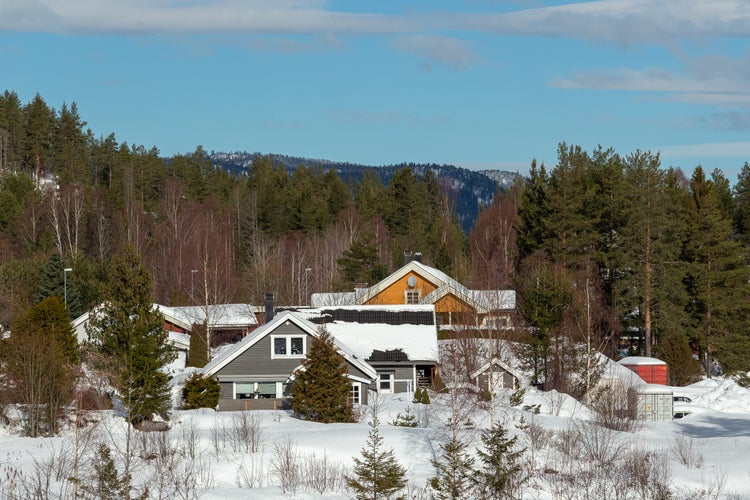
(651, 402)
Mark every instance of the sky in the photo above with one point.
(478, 83)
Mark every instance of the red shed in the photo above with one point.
(651, 370)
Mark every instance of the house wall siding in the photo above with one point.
(256, 361)
(394, 294)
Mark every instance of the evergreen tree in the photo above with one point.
(377, 474)
(107, 483)
(454, 471)
(12, 123)
(718, 277)
(198, 353)
(675, 351)
(130, 330)
(501, 474)
(741, 216)
(360, 263)
(546, 296)
(533, 211)
(200, 392)
(37, 364)
(55, 282)
(320, 391)
(69, 146)
(645, 247)
(39, 121)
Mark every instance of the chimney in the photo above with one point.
(407, 256)
(418, 256)
(269, 307)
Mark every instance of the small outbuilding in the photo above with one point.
(651, 370)
(650, 402)
(494, 375)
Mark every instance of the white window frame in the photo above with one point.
(288, 343)
(386, 377)
(355, 393)
(412, 292)
(256, 386)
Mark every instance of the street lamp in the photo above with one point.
(192, 286)
(307, 289)
(65, 283)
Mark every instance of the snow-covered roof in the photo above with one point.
(652, 389)
(483, 300)
(228, 355)
(219, 315)
(496, 362)
(417, 341)
(640, 360)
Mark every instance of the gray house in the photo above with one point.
(257, 372)
(399, 341)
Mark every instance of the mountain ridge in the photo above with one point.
(470, 190)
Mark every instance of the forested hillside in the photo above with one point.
(599, 246)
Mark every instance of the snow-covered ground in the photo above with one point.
(209, 455)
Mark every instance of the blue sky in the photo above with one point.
(477, 83)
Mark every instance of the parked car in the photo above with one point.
(682, 399)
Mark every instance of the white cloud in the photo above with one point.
(626, 22)
(619, 21)
(442, 49)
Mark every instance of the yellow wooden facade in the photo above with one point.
(448, 309)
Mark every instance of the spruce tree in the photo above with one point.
(675, 351)
(501, 474)
(107, 483)
(454, 471)
(377, 474)
(127, 328)
(320, 391)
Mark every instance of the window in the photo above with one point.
(412, 296)
(266, 390)
(288, 346)
(354, 393)
(385, 383)
(244, 390)
(257, 390)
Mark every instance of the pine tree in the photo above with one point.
(501, 475)
(130, 330)
(718, 277)
(320, 391)
(377, 474)
(454, 471)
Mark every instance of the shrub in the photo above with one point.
(200, 392)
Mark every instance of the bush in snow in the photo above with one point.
(200, 392)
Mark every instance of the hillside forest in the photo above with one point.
(603, 248)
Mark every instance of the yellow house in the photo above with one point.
(416, 283)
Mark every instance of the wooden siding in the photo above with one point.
(256, 361)
(394, 294)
